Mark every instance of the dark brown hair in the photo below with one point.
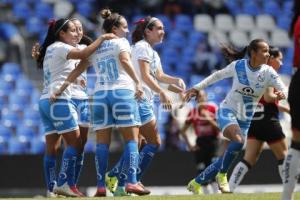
(139, 31)
(110, 20)
(52, 35)
(232, 54)
(274, 51)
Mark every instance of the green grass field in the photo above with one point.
(260, 196)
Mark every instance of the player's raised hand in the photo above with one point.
(189, 94)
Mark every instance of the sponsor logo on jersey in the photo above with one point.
(247, 91)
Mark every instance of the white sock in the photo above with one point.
(237, 175)
(215, 188)
(290, 173)
(205, 189)
(280, 170)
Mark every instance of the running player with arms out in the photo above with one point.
(251, 78)
(265, 127)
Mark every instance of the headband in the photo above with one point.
(151, 21)
(59, 29)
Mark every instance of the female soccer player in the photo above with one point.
(148, 32)
(114, 103)
(57, 58)
(251, 77)
(265, 127)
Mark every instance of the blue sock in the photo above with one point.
(78, 166)
(210, 172)
(122, 176)
(115, 171)
(131, 160)
(231, 152)
(67, 170)
(145, 158)
(50, 171)
(101, 159)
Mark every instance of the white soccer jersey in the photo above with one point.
(248, 86)
(143, 51)
(110, 73)
(56, 69)
(79, 91)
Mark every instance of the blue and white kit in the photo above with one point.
(143, 51)
(59, 116)
(114, 103)
(249, 84)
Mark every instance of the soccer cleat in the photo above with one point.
(146, 190)
(101, 192)
(222, 181)
(111, 183)
(136, 189)
(75, 188)
(194, 187)
(120, 192)
(66, 190)
(51, 194)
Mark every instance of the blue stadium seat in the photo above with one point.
(3, 146)
(21, 10)
(43, 10)
(176, 39)
(234, 7)
(18, 101)
(10, 118)
(187, 56)
(5, 133)
(195, 37)
(27, 131)
(251, 8)
(24, 84)
(34, 26)
(195, 79)
(31, 116)
(283, 21)
(11, 69)
(169, 56)
(3, 102)
(183, 23)
(271, 8)
(18, 145)
(5, 89)
(37, 145)
(84, 8)
(35, 97)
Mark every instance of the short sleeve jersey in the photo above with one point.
(56, 68)
(110, 72)
(143, 51)
(249, 84)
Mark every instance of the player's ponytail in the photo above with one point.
(52, 35)
(232, 54)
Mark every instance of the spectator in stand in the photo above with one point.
(203, 121)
